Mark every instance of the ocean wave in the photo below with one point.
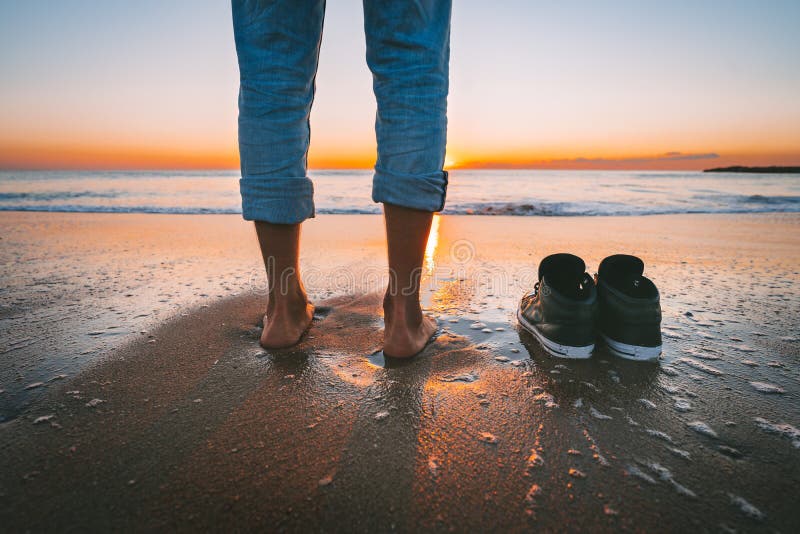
(524, 209)
(761, 199)
(518, 209)
(62, 208)
(49, 196)
(575, 209)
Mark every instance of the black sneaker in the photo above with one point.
(561, 309)
(629, 319)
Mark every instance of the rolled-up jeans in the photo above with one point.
(408, 52)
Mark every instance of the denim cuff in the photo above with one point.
(277, 200)
(424, 192)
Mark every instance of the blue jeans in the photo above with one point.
(408, 52)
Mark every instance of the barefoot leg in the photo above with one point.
(407, 329)
(288, 311)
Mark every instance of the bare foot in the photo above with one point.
(285, 323)
(407, 330)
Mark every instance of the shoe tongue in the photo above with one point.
(621, 266)
(562, 265)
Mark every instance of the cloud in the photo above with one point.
(682, 156)
(667, 156)
(580, 162)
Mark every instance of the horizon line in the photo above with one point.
(334, 168)
(455, 168)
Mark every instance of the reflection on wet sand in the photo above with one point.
(432, 245)
(601, 380)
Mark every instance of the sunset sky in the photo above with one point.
(117, 84)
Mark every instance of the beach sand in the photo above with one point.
(134, 395)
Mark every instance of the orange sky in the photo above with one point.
(129, 157)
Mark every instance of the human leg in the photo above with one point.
(408, 46)
(277, 44)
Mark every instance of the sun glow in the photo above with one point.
(433, 244)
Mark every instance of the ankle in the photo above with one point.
(289, 300)
(405, 309)
(395, 300)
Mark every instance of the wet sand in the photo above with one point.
(158, 410)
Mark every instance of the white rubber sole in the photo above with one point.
(553, 348)
(632, 352)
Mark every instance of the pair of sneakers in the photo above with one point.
(568, 309)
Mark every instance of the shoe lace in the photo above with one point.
(533, 293)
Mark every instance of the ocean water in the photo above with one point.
(479, 192)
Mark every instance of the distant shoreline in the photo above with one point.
(757, 170)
